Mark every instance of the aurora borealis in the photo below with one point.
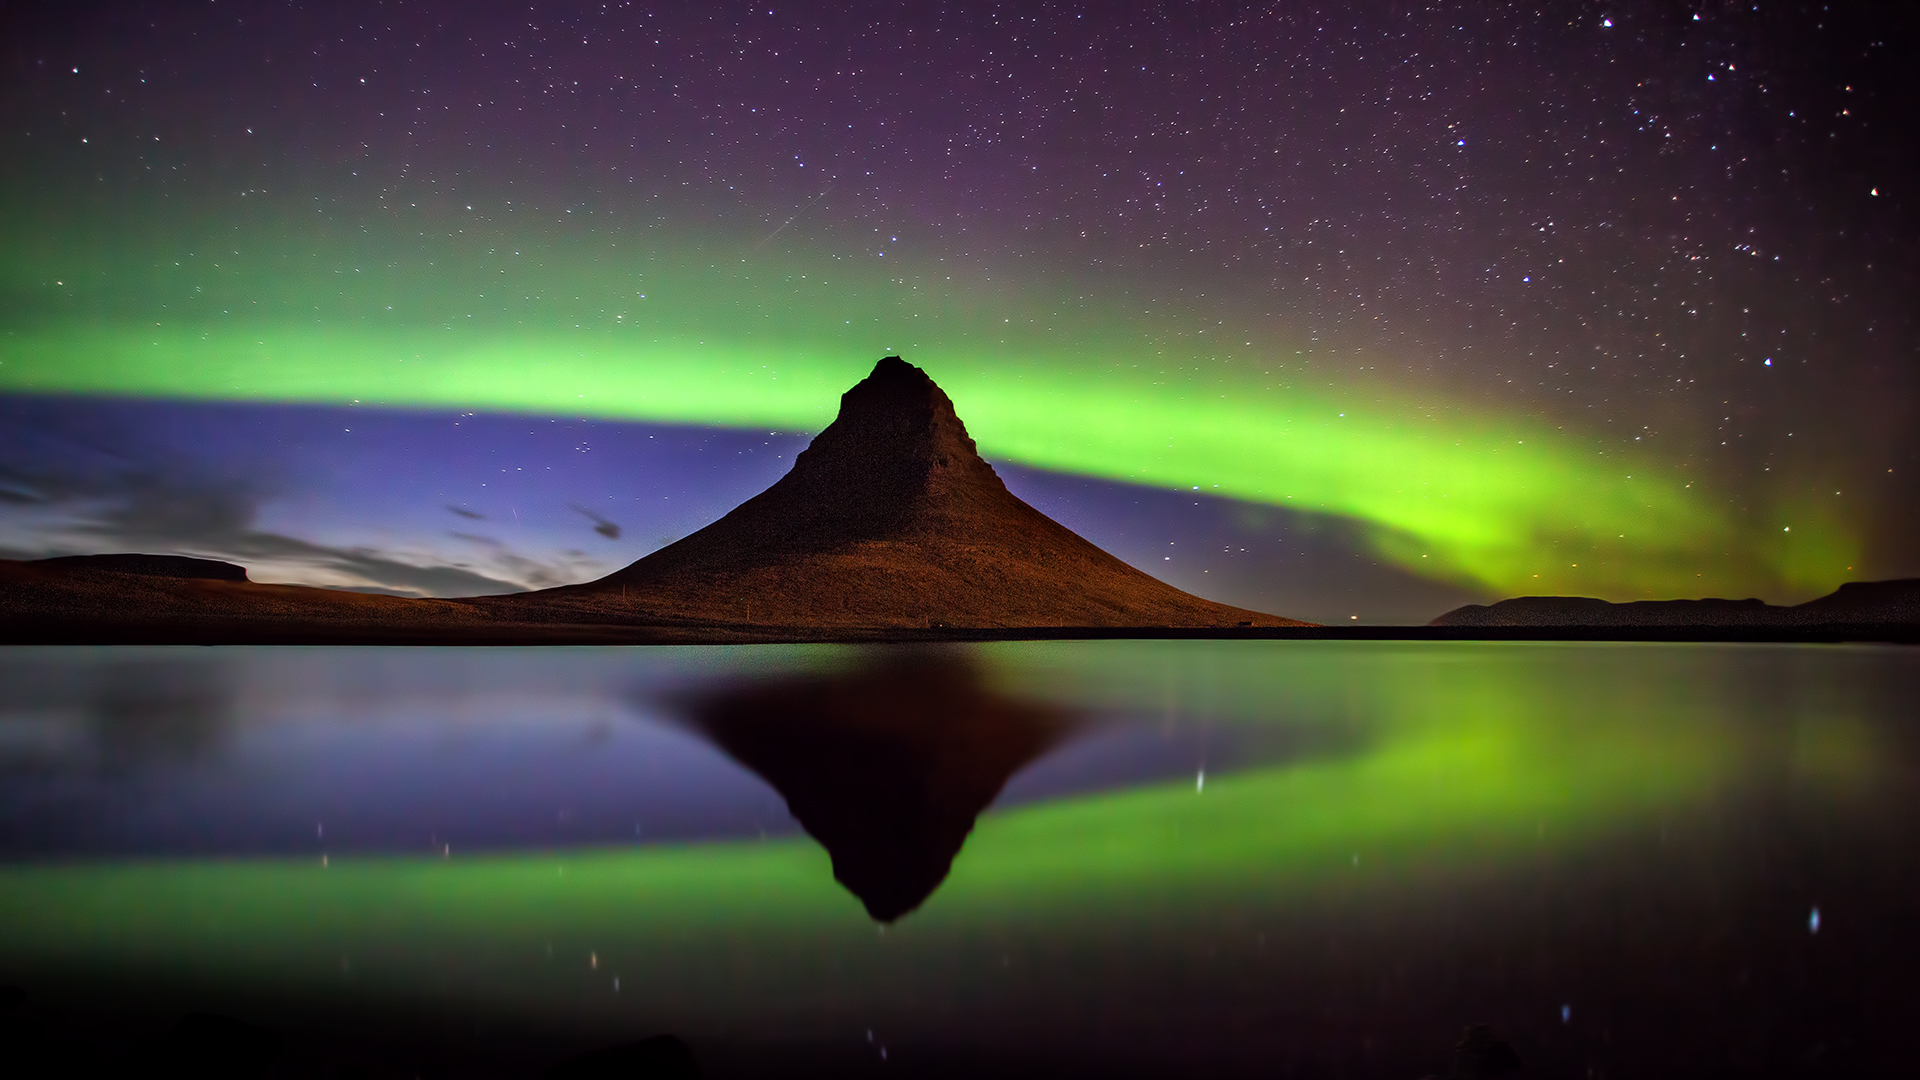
(1601, 299)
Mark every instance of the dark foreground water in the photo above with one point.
(1191, 858)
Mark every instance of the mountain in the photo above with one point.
(1855, 604)
(890, 518)
(1587, 611)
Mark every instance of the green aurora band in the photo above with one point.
(724, 334)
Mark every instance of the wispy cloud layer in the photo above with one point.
(174, 508)
(70, 488)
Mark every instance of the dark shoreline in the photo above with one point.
(169, 600)
(50, 633)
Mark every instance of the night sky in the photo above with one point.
(1351, 312)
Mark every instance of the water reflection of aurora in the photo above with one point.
(1469, 764)
(1493, 498)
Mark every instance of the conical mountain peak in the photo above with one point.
(896, 439)
(892, 518)
(896, 394)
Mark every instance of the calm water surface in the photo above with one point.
(1205, 858)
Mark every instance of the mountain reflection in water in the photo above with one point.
(886, 765)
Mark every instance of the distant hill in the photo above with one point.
(889, 519)
(163, 599)
(160, 566)
(1858, 603)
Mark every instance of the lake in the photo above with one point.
(1250, 858)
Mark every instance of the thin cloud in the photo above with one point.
(86, 497)
(601, 525)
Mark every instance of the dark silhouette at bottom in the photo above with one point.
(887, 766)
(1481, 1055)
(206, 1046)
(662, 1057)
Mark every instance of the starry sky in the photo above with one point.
(1350, 312)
